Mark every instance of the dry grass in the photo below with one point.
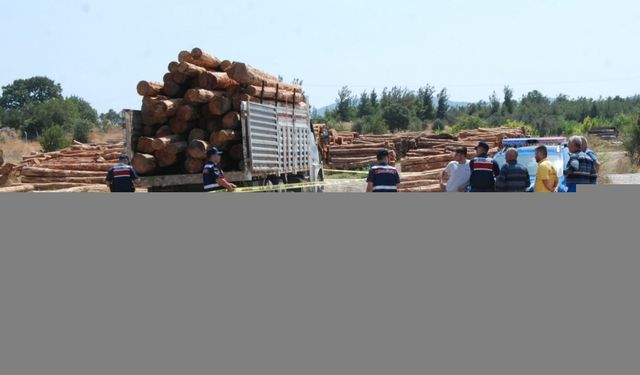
(114, 135)
(15, 149)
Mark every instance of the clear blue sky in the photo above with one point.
(99, 50)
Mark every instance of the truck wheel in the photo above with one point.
(294, 180)
(275, 182)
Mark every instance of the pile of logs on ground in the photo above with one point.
(435, 152)
(73, 167)
(197, 106)
(420, 152)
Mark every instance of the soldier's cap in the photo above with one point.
(124, 157)
(383, 154)
(213, 152)
(483, 145)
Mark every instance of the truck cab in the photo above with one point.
(558, 155)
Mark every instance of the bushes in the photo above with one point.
(370, 125)
(54, 138)
(81, 130)
(632, 140)
(438, 125)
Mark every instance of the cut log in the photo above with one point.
(179, 78)
(198, 149)
(181, 127)
(145, 145)
(167, 108)
(173, 67)
(205, 112)
(149, 131)
(185, 56)
(231, 121)
(153, 118)
(144, 164)
(46, 172)
(216, 81)
(71, 180)
(225, 65)
(218, 139)
(205, 60)
(193, 166)
(166, 158)
(199, 96)
(85, 189)
(177, 147)
(220, 105)
(248, 75)
(210, 125)
(274, 94)
(188, 113)
(162, 143)
(17, 189)
(146, 88)
(163, 131)
(236, 152)
(190, 69)
(95, 167)
(174, 89)
(198, 134)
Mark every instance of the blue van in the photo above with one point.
(558, 149)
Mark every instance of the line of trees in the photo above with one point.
(38, 109)
(399, 109)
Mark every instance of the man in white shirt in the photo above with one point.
(457, 174)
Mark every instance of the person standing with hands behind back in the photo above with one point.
(547, 176)
(212, 176)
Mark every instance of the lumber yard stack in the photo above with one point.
(197, 106)
(74, 167)
(435, 152)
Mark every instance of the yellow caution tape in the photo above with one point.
(284, 187)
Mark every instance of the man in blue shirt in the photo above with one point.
(212, 176)
(121, 178)
(383, 178)
(484, 170)
(580, 169)
(514, 177)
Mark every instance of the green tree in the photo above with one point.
(85, 110)
(443, 105)
(509, 103)
(397, 117)
(494, 103)
(374, 99)
(370, 125)
(364, 105)
(54, 112)
(54, 138)
(426, 109)
(82, 130)
(438, 125)
(344, 110)
(632, 140)
(24, 92)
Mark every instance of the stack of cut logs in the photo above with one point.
(419, 152)
(197, 106)
(75, 166)
(435, 152)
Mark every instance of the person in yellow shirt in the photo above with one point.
(547, 177)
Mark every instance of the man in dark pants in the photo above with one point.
(121, 178)
(383, 178)
(212, 176)
(580, 169)
(513, 178)
(484, 170)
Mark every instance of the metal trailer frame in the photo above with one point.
(278, 142)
